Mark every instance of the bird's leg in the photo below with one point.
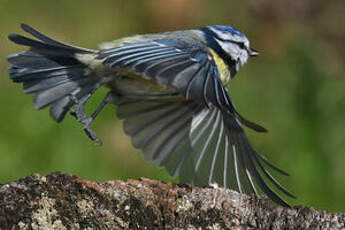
(89, 132)
(79, 111)
(80, 115)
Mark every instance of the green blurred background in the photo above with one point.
(295, 88)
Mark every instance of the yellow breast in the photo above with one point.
(222, 67)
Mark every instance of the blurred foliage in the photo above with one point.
(295, 89)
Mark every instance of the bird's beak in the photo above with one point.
(252, 52)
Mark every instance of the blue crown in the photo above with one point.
(229, 29)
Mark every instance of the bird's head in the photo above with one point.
(232, 45)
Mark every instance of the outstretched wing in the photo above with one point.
(188, 68)
(199, 144)
(200, 140)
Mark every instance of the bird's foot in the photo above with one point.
(79, 113)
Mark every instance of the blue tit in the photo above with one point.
(170, 91)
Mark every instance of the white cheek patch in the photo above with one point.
(230, 48)
(243, 58)
(240, 56)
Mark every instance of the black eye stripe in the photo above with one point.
(240, 44)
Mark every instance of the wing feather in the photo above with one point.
(236, 167)
(202, 165)
(199, 144)
(166, 61)
(216, 153)
(200, 139)
(198, 136)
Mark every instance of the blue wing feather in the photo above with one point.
(214, 148)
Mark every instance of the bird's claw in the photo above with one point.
(86, 121)
(79, 113)
(89, 132)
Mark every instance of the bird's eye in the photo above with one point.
(241, 45)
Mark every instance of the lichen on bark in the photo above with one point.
(63, 201)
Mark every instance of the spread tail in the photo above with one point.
(51, 71)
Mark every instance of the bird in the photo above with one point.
(170, 89)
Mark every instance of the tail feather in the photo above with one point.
(34, 59)
(60, 108)
(35, 86)
(45, 44)
(47, 97)
(53, 42)
(51, 71)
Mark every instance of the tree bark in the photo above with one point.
(62, 201)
